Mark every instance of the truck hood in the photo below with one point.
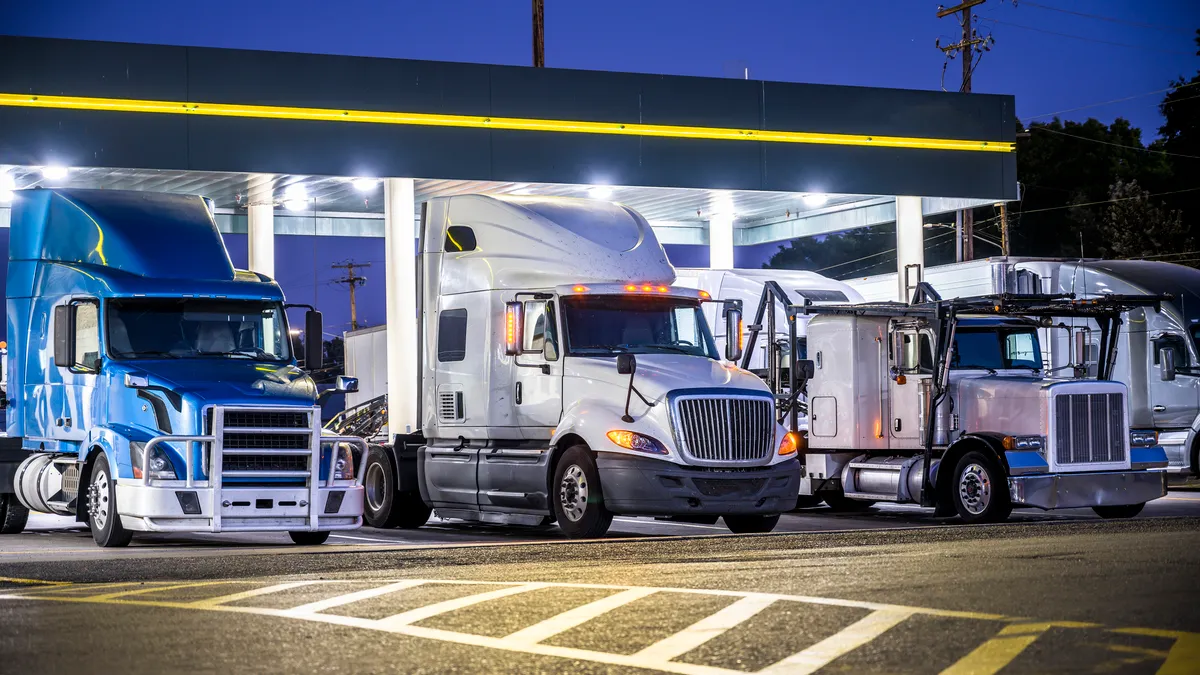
(659, 374)
(1017, 405)
(236, 382)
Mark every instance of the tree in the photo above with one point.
(1180, 139)
(1136, 227)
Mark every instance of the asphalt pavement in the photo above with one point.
(1066, 594)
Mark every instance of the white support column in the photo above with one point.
(720, 242)
(910, 246)
(400, 235)
(262, 238)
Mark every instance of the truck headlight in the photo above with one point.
(1143, 439)
(790, 444)
(1024, 442)
(631, 440)
(161, 467)
(343, 467)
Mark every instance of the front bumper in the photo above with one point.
(165, 508)
(1080, 490)
(652, 487)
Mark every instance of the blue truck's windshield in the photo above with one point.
(158, 328)
(603, 325)
(991, 349)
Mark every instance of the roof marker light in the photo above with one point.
(662, 289)
(579, 289)
(631, 287)
(704, 294)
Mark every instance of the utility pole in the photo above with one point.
(539, 34)
(1003, 206)
(968, 47)
(353, 281)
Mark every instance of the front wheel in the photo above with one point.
(1126, 511)
(13, 515)
(309, 538)
(751, 524)
(576, 495)
(980, 491)
(384, 506)
(103, 517)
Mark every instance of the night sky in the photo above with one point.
(879, 43)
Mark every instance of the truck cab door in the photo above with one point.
(74, 400)
(910, 359)
(1174, 402)
(538, 373)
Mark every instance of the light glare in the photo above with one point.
(365, 184)
(815, 199)
(600, 192)
(55, 172)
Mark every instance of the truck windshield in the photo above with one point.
(177, 328)
(992, 349)
(600, 325)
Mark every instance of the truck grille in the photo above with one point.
(266, 441)
(1090, 428)
(265, 463)
(723, 429)
(265, 419)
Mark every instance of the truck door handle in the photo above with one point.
(1160, 408)
(518, 393)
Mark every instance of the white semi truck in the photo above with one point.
(564, 377)
(746, 286)
(1158, 353)
(947, 404)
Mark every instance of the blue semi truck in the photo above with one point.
(152, 387)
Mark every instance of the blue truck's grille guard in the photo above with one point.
(242, 449)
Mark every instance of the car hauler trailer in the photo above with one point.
(151, 386)
(1158, 353)
(946, 404)
(564, 377)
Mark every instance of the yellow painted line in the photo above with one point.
(155, 589)
(20, 580)
(843, 642)
(1184, 657)
(998, 652)
(488, 122)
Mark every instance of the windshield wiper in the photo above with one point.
(231, 355)
(1022, 365)
(676, 348)
(149, 352)
(991, 371)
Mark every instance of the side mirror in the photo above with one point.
(64, 336)
(549, 350)
(346, 385)
(733, 333)
(1166, 360)
(314, 343)
(805, 369)
(514, 325)
(626, 364)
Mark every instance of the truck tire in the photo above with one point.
(836, 501)
(979, 490)
(752, 524)
(13, 515)
(577, 497)
(103, 518)
(309, 538)
(383, 505)
(1126, 511)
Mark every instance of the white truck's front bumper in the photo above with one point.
(178, 508)
(1080, 490)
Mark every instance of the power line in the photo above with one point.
(876, 255)
(1099, 17)
(353, 281)
(1080, 37)
(1120, 100)
(1111, 201)
(1115, 145)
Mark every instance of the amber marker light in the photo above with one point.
(790, 444)
(579, 289)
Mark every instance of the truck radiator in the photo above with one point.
(726, 429)
(1090, 428)
(264, 446)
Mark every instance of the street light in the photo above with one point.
(55, 172)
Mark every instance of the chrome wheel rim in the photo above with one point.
(98, 499)
(573, 493)
(374, 484)
(975, 489)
